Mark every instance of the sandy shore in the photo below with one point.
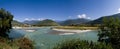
(76, 31)
(30, 30)
(53, 31)
(26, 27)
(66, 31)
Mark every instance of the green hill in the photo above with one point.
(16, 23)
(46, 22)
(100, 20)
(74, 21)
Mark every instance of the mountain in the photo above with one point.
(31, 22)
(74, 21)
(16, 23)
(100, 20)
(47, 22)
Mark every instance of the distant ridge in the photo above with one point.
(46, 22)
(31, 22)
(100, 20)
(16, 23)
(69, 21)
(74, 21)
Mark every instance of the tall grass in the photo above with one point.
(21, 43)
(81, 44)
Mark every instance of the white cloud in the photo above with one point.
(88, 18)
(14, 19)
(32, 19)
(69, 16)
(83, 16)
(118, 10)
(40, 19)
(27, 19)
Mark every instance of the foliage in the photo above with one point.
(5, 25)
(85, 25)
(99, 20)
(5, 22)
(110, 32)
(80, 44)
(16, 23)
(21, 43)
(25, 43)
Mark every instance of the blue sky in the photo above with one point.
(60, 9)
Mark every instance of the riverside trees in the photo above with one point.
(110, 32)
(81, 44)
(5, 22)
(5, 25)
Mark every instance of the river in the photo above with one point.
(43, 39)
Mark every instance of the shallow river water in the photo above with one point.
(42, 39)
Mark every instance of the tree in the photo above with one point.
(110, 32)
(5, 22)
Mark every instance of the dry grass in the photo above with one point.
(22, 43)
(76, 27)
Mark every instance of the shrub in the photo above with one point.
(80, 44)
(110, 32)
(25, 43)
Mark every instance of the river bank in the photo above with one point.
(67, 31)
(76, 28)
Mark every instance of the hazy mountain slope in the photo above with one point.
(31, 22)
(74, 21)
(47, 22)
(16, 23)
(99, 20)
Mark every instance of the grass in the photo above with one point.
(21, 43)
(76, 27)
(81, 44)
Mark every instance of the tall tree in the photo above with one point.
(5, 22)
(110, 32)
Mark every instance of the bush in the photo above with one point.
(25, 43)
(110, 32)
(5, 22)
(80, 44)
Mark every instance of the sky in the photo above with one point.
(60, 9)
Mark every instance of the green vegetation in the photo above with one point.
(16, 23)
(109, 37)
(74, 21)
(5, 26)
(79, 44)
(85, 25)
(46, 22)
(22, 43)
(5, 22)
(100, 20)
(110, 32)
(76, 27)
(35, 23)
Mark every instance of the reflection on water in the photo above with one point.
(43, 39)
(14, 33)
